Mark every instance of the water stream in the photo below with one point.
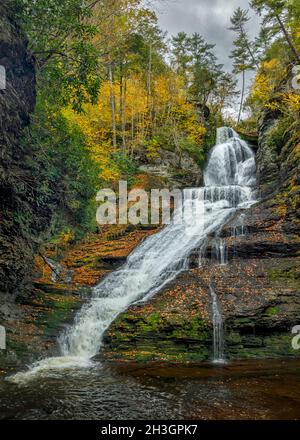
(218, 328)
(229, 180)
(257, 389)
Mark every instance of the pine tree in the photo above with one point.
(243, 52)
(181, 57)
(262, 42)
(205, 70)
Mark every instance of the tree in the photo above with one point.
(61, 40)
(262, 42)
(224, 92)
(205, 70)
(276, 14)
(243, 52)
(181, 56)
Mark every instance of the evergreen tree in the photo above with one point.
(181, 57)
(262, 42)
(243, 52)
(205, 70)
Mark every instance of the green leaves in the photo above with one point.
(243, 54)
(64, 178)
(61, 40)
(195, 61)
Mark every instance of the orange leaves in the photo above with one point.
(85, 258)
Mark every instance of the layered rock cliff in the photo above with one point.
(16, 103)
(258, 288)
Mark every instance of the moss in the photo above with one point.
(271, 311)
(156, 336)
(61, 311)
(193, 329)
(275, 136)
(274, 346)
(173, 327)
(290, 273)
(243, 322)
(154, 320)
(233, 338)
(158, 351)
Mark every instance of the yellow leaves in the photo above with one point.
(110, 174)
(273, 105)
(95, 125)
(271, 65)
(152, 149)
(266, 81)
(136, 97)
(66, 237)
(262, 88)
(195, 131)
(168, 89)
(292, 100)
(131, 114)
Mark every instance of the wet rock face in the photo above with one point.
(180, 171)
(258, 288)
(259, 300)
(16, 104)
(278, 163)
(174, 326)
(18, 99)
(267, 155)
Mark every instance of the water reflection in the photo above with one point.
(252, 390)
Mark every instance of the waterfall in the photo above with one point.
(239, 228)
(218, 331)
(229, 185)
(202, 254)
(221, 251)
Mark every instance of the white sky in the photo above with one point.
(210, 18)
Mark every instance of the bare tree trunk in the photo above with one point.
(149, 81)
(122, 108)
(242, 98)
(288, 38)
(113, 105)
(244, 34)
(149, 76)
(132, 127)
(251, 53)
(132, 134)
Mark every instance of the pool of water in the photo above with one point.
(239, 390)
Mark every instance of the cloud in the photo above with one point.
(210, 18)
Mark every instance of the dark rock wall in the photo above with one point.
(16, 103)
(278, 155)
(178, 170)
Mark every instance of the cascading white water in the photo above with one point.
(239, 227)
(221, 251)
(202, 254)
(231, 163)
(229, 180)
(218, 330)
